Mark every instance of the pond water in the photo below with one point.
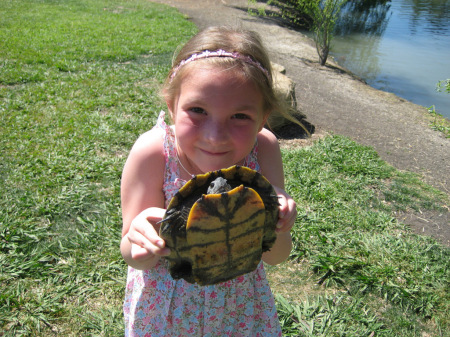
(399, 46)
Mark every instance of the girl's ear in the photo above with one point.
(170, 105)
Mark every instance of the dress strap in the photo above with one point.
(251, 160)
(170, 152)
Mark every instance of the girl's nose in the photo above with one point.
(215, 132)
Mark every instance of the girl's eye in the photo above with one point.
(197, 110)
(241, 116)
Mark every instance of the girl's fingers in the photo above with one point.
(142, 245)
(138, 252)
(153, 214)
(141, 253)
(144, 236)
(287, 213)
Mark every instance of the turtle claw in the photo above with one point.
(171, 214)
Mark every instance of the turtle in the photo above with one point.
(218, 225)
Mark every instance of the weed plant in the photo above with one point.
(79, 82)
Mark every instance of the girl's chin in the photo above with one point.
(219, 166)
(214, 166)
(214, 163)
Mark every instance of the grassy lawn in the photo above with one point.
(79, 81)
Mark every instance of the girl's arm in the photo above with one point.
(269, 158)
(143, 202)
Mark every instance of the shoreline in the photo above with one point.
(336, 102)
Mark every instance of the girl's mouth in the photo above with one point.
(215, 154)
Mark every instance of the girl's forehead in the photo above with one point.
(213, 76)
(208, 69)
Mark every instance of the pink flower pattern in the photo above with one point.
(157, 305)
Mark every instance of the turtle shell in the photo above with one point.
(215, 235)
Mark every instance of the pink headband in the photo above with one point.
(219, 53)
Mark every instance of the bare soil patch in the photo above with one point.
(337, 102)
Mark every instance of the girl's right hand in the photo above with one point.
(143, 240)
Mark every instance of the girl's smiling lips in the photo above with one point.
(214, 153)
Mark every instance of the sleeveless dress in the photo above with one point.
(157, 305)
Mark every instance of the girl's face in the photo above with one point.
(217, 116)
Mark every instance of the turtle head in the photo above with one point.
(218, 185)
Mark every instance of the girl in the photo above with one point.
(219, 94)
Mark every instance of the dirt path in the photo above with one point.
(336, 102)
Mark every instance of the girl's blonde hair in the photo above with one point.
(231, 40)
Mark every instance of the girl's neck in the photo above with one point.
(183, 167)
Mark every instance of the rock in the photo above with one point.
(287, 116)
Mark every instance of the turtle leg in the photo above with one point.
(181, 269)
(170, 215)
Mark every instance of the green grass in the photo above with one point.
(79, 82)
(438, 122)
(356, 270)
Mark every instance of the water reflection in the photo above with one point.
(361, 20)
(431, 15)
(363, 57)
(368, 17)
(398, 46)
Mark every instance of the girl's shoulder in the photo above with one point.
(146, 157)
(150, 143)
(267, 143)
(269, 157)
(266, 136)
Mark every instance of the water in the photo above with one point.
(399, 46)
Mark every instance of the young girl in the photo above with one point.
(219, 94)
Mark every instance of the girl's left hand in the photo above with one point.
(287, 211)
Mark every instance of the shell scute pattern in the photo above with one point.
(218, 236)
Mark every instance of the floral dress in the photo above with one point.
(157, 305)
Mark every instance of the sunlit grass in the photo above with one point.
(355, 269)
(79, 82)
